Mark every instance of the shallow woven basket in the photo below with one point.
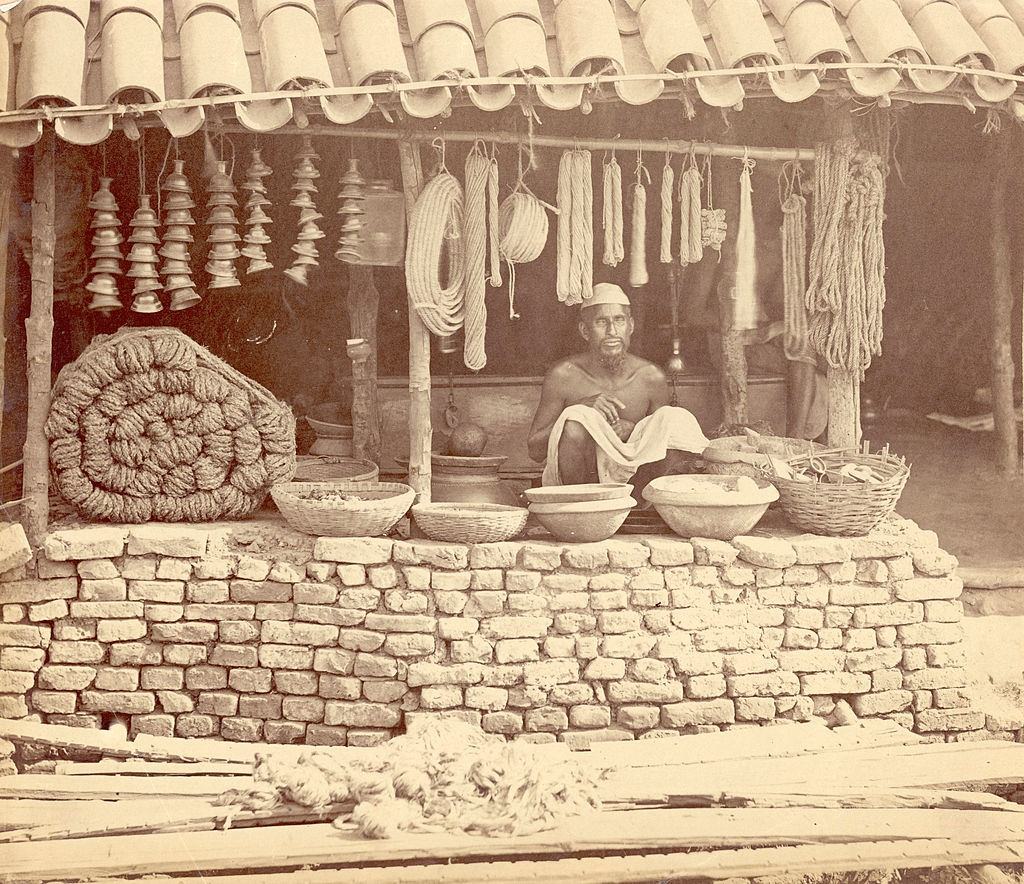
(470, 522)
(852, 508)
(334, 469)
(340, 518)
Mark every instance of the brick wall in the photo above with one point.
(188, 631)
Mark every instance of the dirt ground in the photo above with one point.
(955, 490)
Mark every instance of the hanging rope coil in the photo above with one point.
(436, 223)
(523, 226)
(691, 247)
(794, 268)
(668, 183)
(611, 216)
(846, 294)
(575, 257)
(477, 240)
(146, 425)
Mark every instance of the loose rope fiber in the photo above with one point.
(475, 236)
(147, 425)
(443, 775)
(668, 184)
(436, 222)
(611, 213)
(747, 310)
(575, 256)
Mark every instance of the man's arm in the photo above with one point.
(658, 388)
(552, 403)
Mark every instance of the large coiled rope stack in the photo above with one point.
(147, 425)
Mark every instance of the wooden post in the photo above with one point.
(420, 430)
(843, 409)
(39, 342)
(6, 188)
(363, 299)
(733, 367)
(1001, 353)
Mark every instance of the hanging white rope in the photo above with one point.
(747, 308)
(575, 257)
(611, 219)
(523, 231)
(668, 180)
(794, 266)
(691, 228)
(638, 275)
(474, 231)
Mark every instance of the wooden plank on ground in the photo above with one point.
(19, 813)
(133, 768)
(108, 788)
(293, 847)
(715, 865)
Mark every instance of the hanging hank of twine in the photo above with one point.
(611, 221)
(794, 266)
(638, 275)
(746, 308)
(476, 239)
(668, 182)
(691, 248)
(575, 254)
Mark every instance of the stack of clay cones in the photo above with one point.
(255, 236)
(223, 237)
(305, 250)
(143, 258)
(177, 267)
(351, 211)
(106, 254)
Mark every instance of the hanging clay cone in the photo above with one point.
(106, 255)
(223, 226)
(351, 210)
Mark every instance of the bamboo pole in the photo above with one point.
(39, 342)
(420, 430)
(1001, 352)
(6, 187)
(363, 300)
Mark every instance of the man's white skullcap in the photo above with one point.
(606, 293)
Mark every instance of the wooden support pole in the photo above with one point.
(843, 409)
(6, 189)
(1001, 352)
(420, 430)
(733, 358)
(39, 341)
(363, 299)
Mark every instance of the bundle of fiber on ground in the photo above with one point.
(148, 425)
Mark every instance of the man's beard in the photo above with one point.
(613, 362)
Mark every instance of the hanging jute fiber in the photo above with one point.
(148, 425)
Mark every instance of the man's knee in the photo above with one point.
(575, 435)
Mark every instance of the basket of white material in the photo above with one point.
(720, 507)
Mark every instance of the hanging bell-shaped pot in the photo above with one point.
(253, 251)
(257, 236)
(174, 251)
(178, 201)
(256, 200)
(258, 216)
(303, 201)
(178, 281)
(144, 235)
(107, 236)
(143, 252)
(144, 215)
(254, 185)
(142, 271)
(177, 233)
(306, 248)
(175, 268)
(107, 265)
(307, 215)
(298, 274)
(220, 181)
(104, 218)
(305, 169)
(176, 180)
(102, 284)
(348, 254)
(222, 215)
(145, 285)
(106, 252)
(182, 299)
(105, 303)
(258, 265)
(224, 282)
(258, 168)
(103, 198)
(352, 175)
(307, 151)
(179, 216)
(221, 199)
(224, 234)
(306, 185)
(310, 231)
(146, 302)
(351, 207)
(349, 192)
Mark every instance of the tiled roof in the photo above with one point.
(426, 54)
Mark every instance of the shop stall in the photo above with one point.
(521, 153)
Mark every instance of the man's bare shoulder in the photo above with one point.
(646, 370)
(564, 369)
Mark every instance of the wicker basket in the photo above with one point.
(383, 504)
(847, 509)
(470, 522)
(334, 469)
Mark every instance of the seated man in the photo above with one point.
(604, 413)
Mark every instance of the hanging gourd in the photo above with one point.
(106, 255)
(177, 267)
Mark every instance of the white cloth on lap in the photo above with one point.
(652, 438)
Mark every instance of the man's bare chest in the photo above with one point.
(630, 391)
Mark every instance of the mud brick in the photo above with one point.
(243, 730)
(569, 601)
(755, 708)
(340, 687)
(383, 576)
(195, 611)
(805, 618)
(618, 622)
(858, 594)
(120, 630)
(812, 549)
(486, 698)
(167, 591)
(650, 670)
(350, 550)
(217, 703)
(132, 702)
(522, 581)
(767, 616)
(840, 572)
(107, 589)
(931, 634)
(33, 591)
(14, 613)
(284, 732)
(541, 557)
(836, 683)
(585, 556)
(266, 706)
(487, 579)
(767, 577)
(516, 650)
(16, 681)
(175, 702)
(658, 621)
(303, 709)
(841, 617)
(887, 636)
(46, 611)
(713, 552)
(379, 690)
(184, 632)
(800, 575)
(690, 662)
(285, 657)
(493, 555)
(111, 610)
(154, 724)
(104, 542)
(70, 651)
(329, 615)
(451, 602)
(360, 640)
(361, 714)
(47, 570)
(441, 697)
(314, 594)
(371, 666)
(442, 673)
(727, 638)
(936, 612)
(929, 588)
(886, 680)
(768, 684)
(351, 575)
(264, 591)
(872, 571)
(589, 716)
(170, 678)
(928, 720)
(213, 569)
(13, 706)
(638, 718)
(238, 632)
(547, 719)
(250, 681)
(698, 712)
(234, 655)
(196, 725)
(208, 592)
(473, 650)
(930, 679)
(296, 682)
(138, 567)
(249, 568)
(310, 634)
(892, 614)
(409, 645)
(947, 655)
(934, 562)
(156, 613)
(811, 660)
(449, 556)
(404, 601)
(179, 655)
(605, 669)
(766, 552)
(643, 692)
(547, 673)
(337, 661)
(749, 663)
(669, 552)
(206, 678)
(879, 658)
(22, 659)
(167, 540)
(388, 623)
(60, 702)
(641, 598)
(776, 595)
(881, 703)
(323, 735)
(66, 678)
(915, 658)
(449, 628)
(507, 723)
(953, 698)
(116, 678)
(286, 572)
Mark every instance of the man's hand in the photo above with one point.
(623, 428)
(607, 406)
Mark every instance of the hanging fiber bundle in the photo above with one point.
(523, 233)
(691, 247)
(712, 220)
(638, 243)
(611, 220)
(747, 309)
(668, 182)
(575, 257)
(493, 224)
(477, 241)
(436, 222)
(146, 425)
(794, 272)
